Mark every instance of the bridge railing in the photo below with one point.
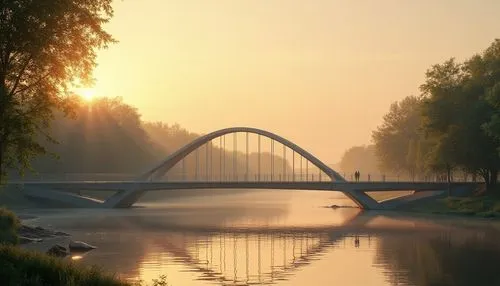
(268, 177)
(240, 177)
(52, 177)
(424, 179)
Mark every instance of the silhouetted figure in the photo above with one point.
(369, 177)
(356, 241)
(356, 176)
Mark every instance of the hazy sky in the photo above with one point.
(321, 73)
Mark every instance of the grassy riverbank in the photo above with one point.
(485, 206)
(24, 267)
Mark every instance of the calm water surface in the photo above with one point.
(282, 238)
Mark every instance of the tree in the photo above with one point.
(458, 115)
(493, 126)
(45, 46)
(482, 74)
(397, 140)
(106, 138)
(412, 159)
(440, 121)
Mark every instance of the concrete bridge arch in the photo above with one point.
(183, 152)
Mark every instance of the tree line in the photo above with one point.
(106, 138)
(452, 127)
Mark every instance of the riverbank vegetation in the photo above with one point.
(452, 126)
(451, 131)
(25, 267)
(9, 225)
(485, 206)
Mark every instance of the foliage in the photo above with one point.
(162, 281)
(106, 137)
(45, 45)
(492, 127)
(454, 125)
(474, 205)
(459, 114)
(398, 141)
(9, 225)
(22, 267)
(169, 137)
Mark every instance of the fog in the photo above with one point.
(321, 73)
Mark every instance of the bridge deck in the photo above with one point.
(321, 186)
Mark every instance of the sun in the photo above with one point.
(87, 93)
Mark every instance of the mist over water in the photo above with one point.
(280, 237)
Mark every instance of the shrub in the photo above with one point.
(9, 225)
(22, 267)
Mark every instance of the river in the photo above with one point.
(282, 238)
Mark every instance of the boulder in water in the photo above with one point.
(58, 251)
(80, 246)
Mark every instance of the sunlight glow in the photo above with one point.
(86, 93)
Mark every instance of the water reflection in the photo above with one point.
(449, 258)
(298, 245)
(241, 258)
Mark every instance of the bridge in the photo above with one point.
(272, 162)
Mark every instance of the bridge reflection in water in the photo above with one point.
(244, 258)
(364, 249)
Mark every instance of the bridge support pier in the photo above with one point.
(363, 200)
(366, 202)
(124, 198)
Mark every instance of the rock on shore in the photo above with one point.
(35, 237)
(35, 234)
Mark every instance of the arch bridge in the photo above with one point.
(229, 162)
(216, 161)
